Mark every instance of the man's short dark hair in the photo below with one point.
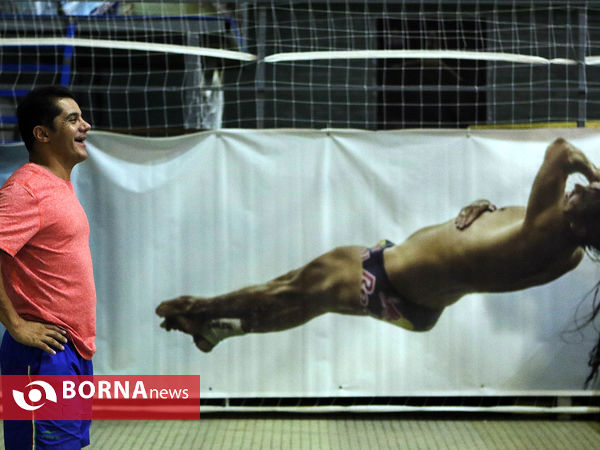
(39, 107)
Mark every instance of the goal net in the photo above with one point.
(159, 68)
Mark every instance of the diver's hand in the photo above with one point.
(471, 212)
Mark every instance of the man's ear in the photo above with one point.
(40, 133)
(578, 228)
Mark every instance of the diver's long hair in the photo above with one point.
(590, 242)
(594, 355)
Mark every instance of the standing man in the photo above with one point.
(47, 292)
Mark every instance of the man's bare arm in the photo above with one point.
(561, 160)
(578, 162)
(35, 334)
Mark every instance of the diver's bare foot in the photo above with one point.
(181, 305)
(214, 331)
(188, 323)
(203, 344)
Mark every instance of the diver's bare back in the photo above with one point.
(496, 253)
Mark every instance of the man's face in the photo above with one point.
(584, 199)
(582, 207)
(70, 131)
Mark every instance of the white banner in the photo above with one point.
(208, 213)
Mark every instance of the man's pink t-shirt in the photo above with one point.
(48, 275)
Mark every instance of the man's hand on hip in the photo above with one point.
(41, 335)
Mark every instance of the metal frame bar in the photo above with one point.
(582, 19)
(409, 2)
(578, 14)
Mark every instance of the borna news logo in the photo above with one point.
(34, 395)
(141, 397)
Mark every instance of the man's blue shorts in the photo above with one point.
(19, 359)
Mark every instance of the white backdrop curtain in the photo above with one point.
(207, 213)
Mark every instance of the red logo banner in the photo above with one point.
(129, 397)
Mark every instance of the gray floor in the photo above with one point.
(351, 431)
(358, 432)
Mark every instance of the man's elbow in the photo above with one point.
(558, 142)
(559, 151)
(560, 146)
